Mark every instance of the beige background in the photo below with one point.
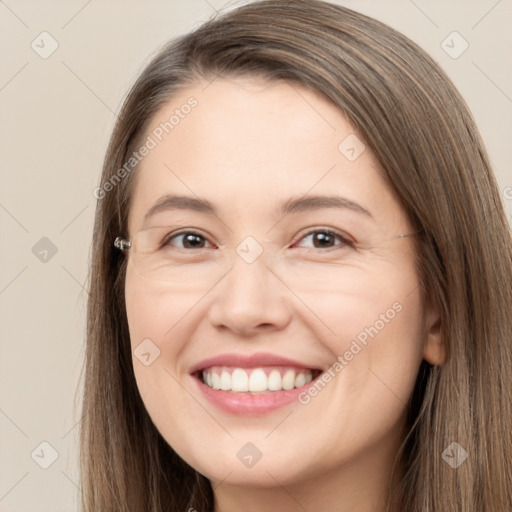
(56, 117)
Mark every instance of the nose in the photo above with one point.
(250, 300)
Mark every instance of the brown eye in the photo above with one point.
(190, 240)
(326, 238)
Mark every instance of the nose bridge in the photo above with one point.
(250, 295)
(248, 283)
(250, 267)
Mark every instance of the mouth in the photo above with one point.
(254, 384)
(253, 381)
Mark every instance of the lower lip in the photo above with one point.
(242, 404)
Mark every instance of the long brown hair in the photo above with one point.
(425, 138)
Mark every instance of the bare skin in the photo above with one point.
(247, 147)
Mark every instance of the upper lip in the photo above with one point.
(256, 360)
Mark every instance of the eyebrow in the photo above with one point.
(301, 204)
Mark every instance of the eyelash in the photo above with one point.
(343, 239)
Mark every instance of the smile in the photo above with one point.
(255, 384)
(256, 380)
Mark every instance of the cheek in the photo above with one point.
(375, 332)
(161, 322)
(156, 311)
(376, 341)
(377, 350)
(144, 311)
(377, 308)
(151, 314)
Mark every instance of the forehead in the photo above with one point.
(248, 145)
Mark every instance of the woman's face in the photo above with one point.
(260, 299)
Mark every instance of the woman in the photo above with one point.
(300, 282)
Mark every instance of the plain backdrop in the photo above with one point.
(57, 112)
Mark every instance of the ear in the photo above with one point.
(435, 350)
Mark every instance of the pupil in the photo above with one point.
(193, 240)
(323, 237)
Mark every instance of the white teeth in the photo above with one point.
(239, 380)
(274, 381)
(215, 380)
(300, 380)
(225, 381)
(289, 379)
(257, 380)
